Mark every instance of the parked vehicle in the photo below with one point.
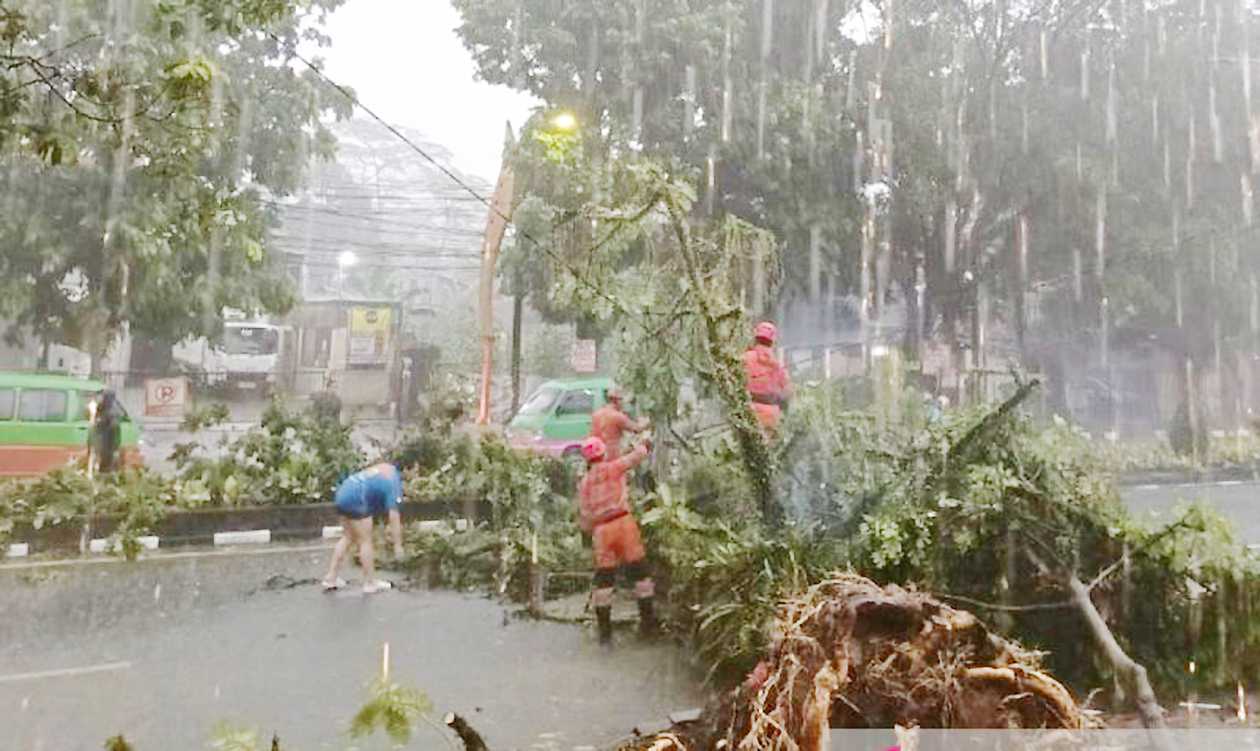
(249, 358)
(557, 416)
(44, 423)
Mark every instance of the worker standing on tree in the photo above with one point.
(604, 513)
(364, 494)
(767, 379)
(610, 422)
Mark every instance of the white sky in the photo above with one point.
(404, 60)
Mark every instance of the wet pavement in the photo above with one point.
(1237, 501)
(163, 650)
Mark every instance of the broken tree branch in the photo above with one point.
(1115, 565)
(471, 738)
(1148, 707)
(1002, 608)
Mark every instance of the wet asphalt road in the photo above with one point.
(181, 643)
(1237, 501)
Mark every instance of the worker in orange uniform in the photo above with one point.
(610, 422)
(604, 513)
(767, 379)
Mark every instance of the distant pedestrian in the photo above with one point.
(106, 435)
(371, 492)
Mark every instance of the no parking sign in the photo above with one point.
(165, 397)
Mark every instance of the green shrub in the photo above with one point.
(140, 498)
(290, 458)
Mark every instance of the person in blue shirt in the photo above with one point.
(364, 494)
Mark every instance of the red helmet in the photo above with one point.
(766, 330)
(593, 449)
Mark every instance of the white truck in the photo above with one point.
(250, 358)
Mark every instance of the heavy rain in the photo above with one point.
(657, 375)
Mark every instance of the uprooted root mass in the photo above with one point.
(850, 654)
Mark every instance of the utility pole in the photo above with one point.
(496, 226)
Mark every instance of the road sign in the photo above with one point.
(165, 397)
(369, 335)
(583, 357)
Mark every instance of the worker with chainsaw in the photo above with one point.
(767, 380)
(604, 513)
(610, 423)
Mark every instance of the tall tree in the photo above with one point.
(137, 140)
(1058, 169)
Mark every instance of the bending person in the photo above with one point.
(364, 494)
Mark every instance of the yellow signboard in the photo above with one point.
(370, 330)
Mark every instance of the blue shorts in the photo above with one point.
(368, 493)
(351, 499)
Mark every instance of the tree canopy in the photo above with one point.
(1069, 170)
(137, 140)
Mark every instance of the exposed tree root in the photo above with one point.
(850, 654)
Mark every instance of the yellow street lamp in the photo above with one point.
(564, 121)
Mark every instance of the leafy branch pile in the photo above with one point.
(1007, 514)
(531, 512)
(291, 457)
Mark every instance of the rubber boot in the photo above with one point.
(603, 616)
(649, 627)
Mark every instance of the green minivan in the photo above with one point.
(44, 423)
(557, 416)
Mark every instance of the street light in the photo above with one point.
(564, 121)
(345, 259)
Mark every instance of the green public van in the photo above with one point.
(44, 423)
(557, 416)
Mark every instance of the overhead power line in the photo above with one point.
(617, 304)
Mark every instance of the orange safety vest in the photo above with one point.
(767, 383)
(765, 377)
(602, 493)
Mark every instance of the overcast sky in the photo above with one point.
(404, 60)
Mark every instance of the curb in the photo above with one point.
(1232, 474)
(256, 525)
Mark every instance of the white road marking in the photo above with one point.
(102, 544)
(246, 537)
(64, 672)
